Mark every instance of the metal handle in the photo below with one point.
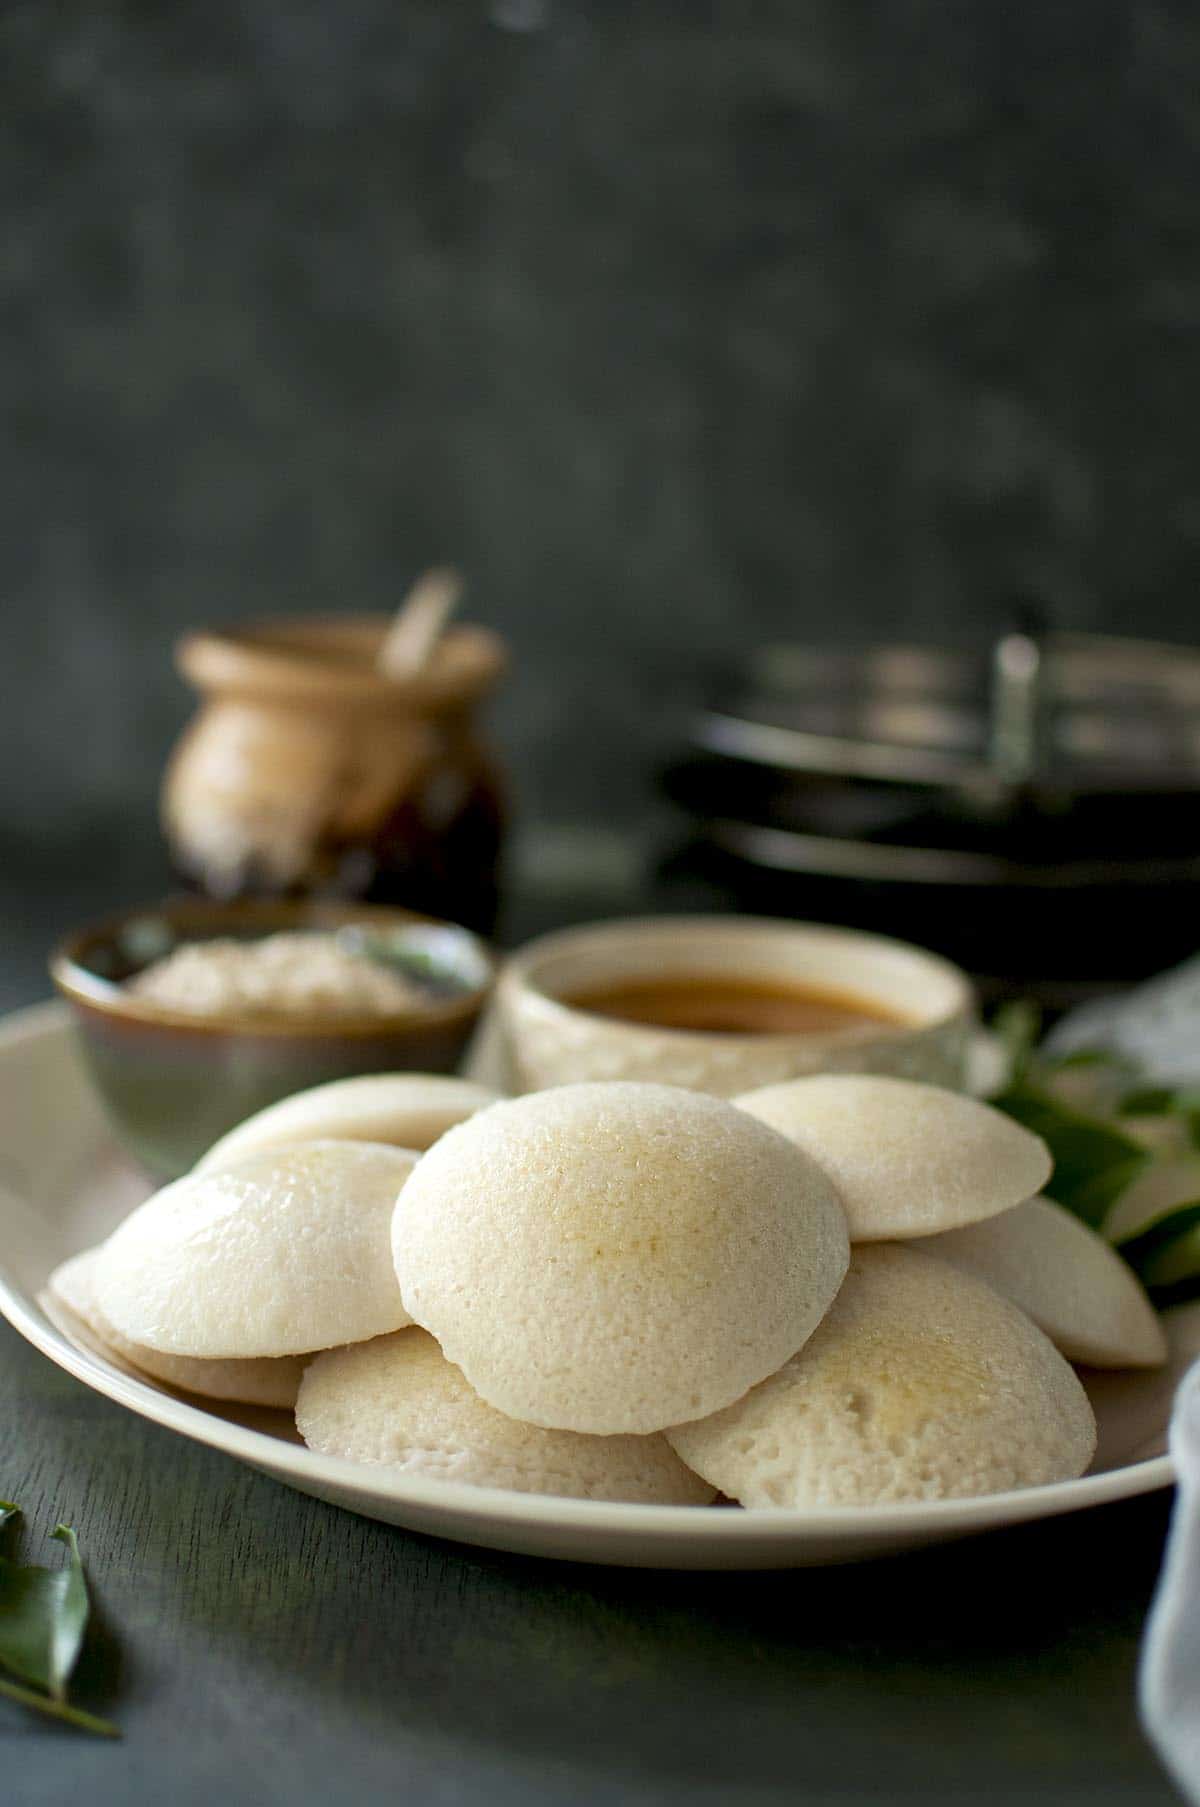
(1014, 739)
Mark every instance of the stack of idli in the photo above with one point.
(914, 1161)
(398, 1402)
(249, 1380)
(409, 1110)
(842, 1291)
(614, 1258)
(225, 1287)
(223, 1282)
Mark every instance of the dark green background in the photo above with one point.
(679, 325)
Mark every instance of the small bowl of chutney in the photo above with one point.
(722, 1004)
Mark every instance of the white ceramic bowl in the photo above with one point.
(531, 1038)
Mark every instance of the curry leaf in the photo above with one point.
(28, 1600)
(1182, 1103)
(1146, 1251)
(71, 1619)
(1093, 1197)
(1093, 1160)
(58, 1709)
(43, 1618)
(1017, 1025)
(1149, 1101)
(40, 1625)
(1099, 1117)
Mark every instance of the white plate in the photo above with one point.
(63, 1185)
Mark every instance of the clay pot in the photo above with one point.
(307, 772)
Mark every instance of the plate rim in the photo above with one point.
(776, 1526)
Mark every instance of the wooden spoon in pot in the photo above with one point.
(419, 622)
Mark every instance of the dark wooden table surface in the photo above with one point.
(259, 1647)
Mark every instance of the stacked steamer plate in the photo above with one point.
(1011, 798)
(833, 1292)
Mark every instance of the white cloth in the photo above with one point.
(1169, 1682)
(1157, 1024)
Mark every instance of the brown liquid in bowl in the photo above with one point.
(731, 1006)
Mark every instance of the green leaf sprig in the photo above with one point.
(43, 1618)
(1120, 1146)
(1094, 1161)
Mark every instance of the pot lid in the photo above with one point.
(1071, 712)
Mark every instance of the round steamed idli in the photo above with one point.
(399, 1402)
(285, 1252)
(907, 1159)
(270, 1380)
(617, 1257)
(1066, 1278)
(410, 1110)
(921, 1384)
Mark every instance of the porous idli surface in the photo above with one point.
(284, 1252)
(1066, 1278)
(397, 1402)
(617, 1257)
(907, 1159)
(410, 1110)
(921, 1384)
(269, 1380)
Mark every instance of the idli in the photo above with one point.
(921, 1384)
(397, 1401)
(271, 1380)
(410, 1110)
(1066, 1278)
(284, 1252)
(907, 1159)
(616, 1257)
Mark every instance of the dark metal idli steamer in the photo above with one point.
(1030, 810)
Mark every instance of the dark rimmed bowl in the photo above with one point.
(173, 1083)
